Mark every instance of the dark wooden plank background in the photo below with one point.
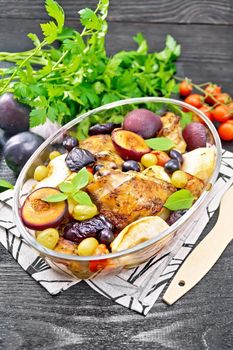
(80, 318)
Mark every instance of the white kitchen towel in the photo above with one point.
(138, 288)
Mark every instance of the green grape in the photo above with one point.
(40, 172)
(48, 238)
(54, 154)
(91, 177)
(83, 212)
(87, 246)
(149, 159)
(179, 179)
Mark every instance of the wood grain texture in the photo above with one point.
(80, 318)
(156, 11)
(32, 319)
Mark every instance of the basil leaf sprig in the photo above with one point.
(182, 199)
(160, 143)
(5, 184)
(73, 190)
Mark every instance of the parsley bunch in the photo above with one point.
(61, 81)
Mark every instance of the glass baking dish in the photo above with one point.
(86, 267)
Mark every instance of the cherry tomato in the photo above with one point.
(206, 110)
(225, 131)
(90, 169)
(96, 265)
(162, 157)
(194, 100)
(230, 106)
(221, 113)
(185, 88)
(214, 90)
(223, 98)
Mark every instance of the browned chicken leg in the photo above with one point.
(126, 197)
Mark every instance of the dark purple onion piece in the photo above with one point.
(72, 233)
(79, 158)
(174, 154)
(106, 236)
(77, 231)
(175, 215)
(97, 167)
(69, 143)
(106, 222)
(102, 128)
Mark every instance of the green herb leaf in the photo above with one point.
(34, 38)
(81, 179)
(50, 31)
(60, 197)
(182, 199)
(6, 184)
(185, 119)
(82, 198)
(160, 143)
(62, 81)
(55, 11)
(38, 116)
(66, 187)
(89, 19)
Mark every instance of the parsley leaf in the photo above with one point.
(62, 81)
(55, 11)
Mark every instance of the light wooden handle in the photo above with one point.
(205, 255)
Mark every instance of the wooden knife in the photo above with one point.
(206, 253)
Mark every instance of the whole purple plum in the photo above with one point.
(195, 135)
(14, 116)
(143, 122)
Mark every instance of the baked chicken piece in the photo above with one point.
(102, 147)
(195, 185)
(173, 131)
(126, 197)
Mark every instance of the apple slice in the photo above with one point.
(138, 232)
(200, 162)
(38, 214)
(129, 145)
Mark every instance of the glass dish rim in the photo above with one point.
(30, 240)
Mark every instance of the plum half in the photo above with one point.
(129, 145)
(38, 214)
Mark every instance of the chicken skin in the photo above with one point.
(102, 147)
(126, 197)
(173, 131)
